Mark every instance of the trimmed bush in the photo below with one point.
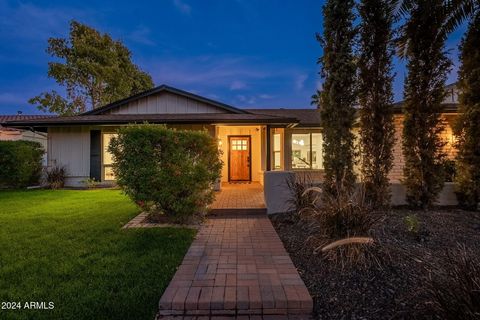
(169, 171)
(20, 163)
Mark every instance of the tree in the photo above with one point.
(337, 98)
(376, 98)
(424, 92)
(467, 126)
(96, 70)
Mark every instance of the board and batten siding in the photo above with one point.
(166, 103)
(70, 147)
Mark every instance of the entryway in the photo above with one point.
(239, 158)
(245, 196)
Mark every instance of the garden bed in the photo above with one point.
(399, 287)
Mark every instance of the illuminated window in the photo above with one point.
(107, 157)
(307, 151)
(277, 151)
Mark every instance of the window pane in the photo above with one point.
(107, 156)
(317, 157)
(277, 151)
(276, 142)
(276, 160)
(109, 173)
(301, 151)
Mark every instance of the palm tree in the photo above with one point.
(455, 11)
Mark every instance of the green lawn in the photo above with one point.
(67, 247)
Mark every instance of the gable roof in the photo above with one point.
(160, 89)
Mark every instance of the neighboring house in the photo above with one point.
(253, 141)
(24, 133)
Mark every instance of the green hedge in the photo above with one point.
(20, 163)
(171, 171)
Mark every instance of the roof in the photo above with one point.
(447, 107)
(306, 117)
(194, 118)
(159, 89)
(20, 117)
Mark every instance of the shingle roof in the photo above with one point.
(305, 117)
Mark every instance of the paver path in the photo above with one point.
(239, 196)
(236, 266)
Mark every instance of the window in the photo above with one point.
(277, 152)
(107, 157)
(307, 151)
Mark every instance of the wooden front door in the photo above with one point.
(239, 158)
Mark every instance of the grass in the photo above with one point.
(67, 247)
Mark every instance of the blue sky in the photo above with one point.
(247, 53)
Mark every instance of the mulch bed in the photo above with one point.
(396, 289)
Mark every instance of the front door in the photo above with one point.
(239, 158)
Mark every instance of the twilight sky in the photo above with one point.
(246, 53)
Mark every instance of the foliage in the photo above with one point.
(174, 169)
(347, 214)
(412, 223)
(94, 69)
(424, 92)
(75, 253)
(337, 98)
(376, 98)
(467, 127)
(20, 163)
(450, 169)
(90, 183)
(55, 177)
(458, 296)
(301, 198)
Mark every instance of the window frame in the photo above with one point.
(309, 152)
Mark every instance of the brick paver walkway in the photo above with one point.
(239, 196)
(237, 266)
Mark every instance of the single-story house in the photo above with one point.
(24, 133)
(253, 141)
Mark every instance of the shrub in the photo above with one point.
(173, 171)
(91, 183)
(347, 214)
(20, 163)
(412, 223)
(302, 199)
(458, 296)
(55, 177)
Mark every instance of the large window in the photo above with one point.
(107, 157)
(307, 151)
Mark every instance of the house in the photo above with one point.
(24, 133)
(253, 141)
